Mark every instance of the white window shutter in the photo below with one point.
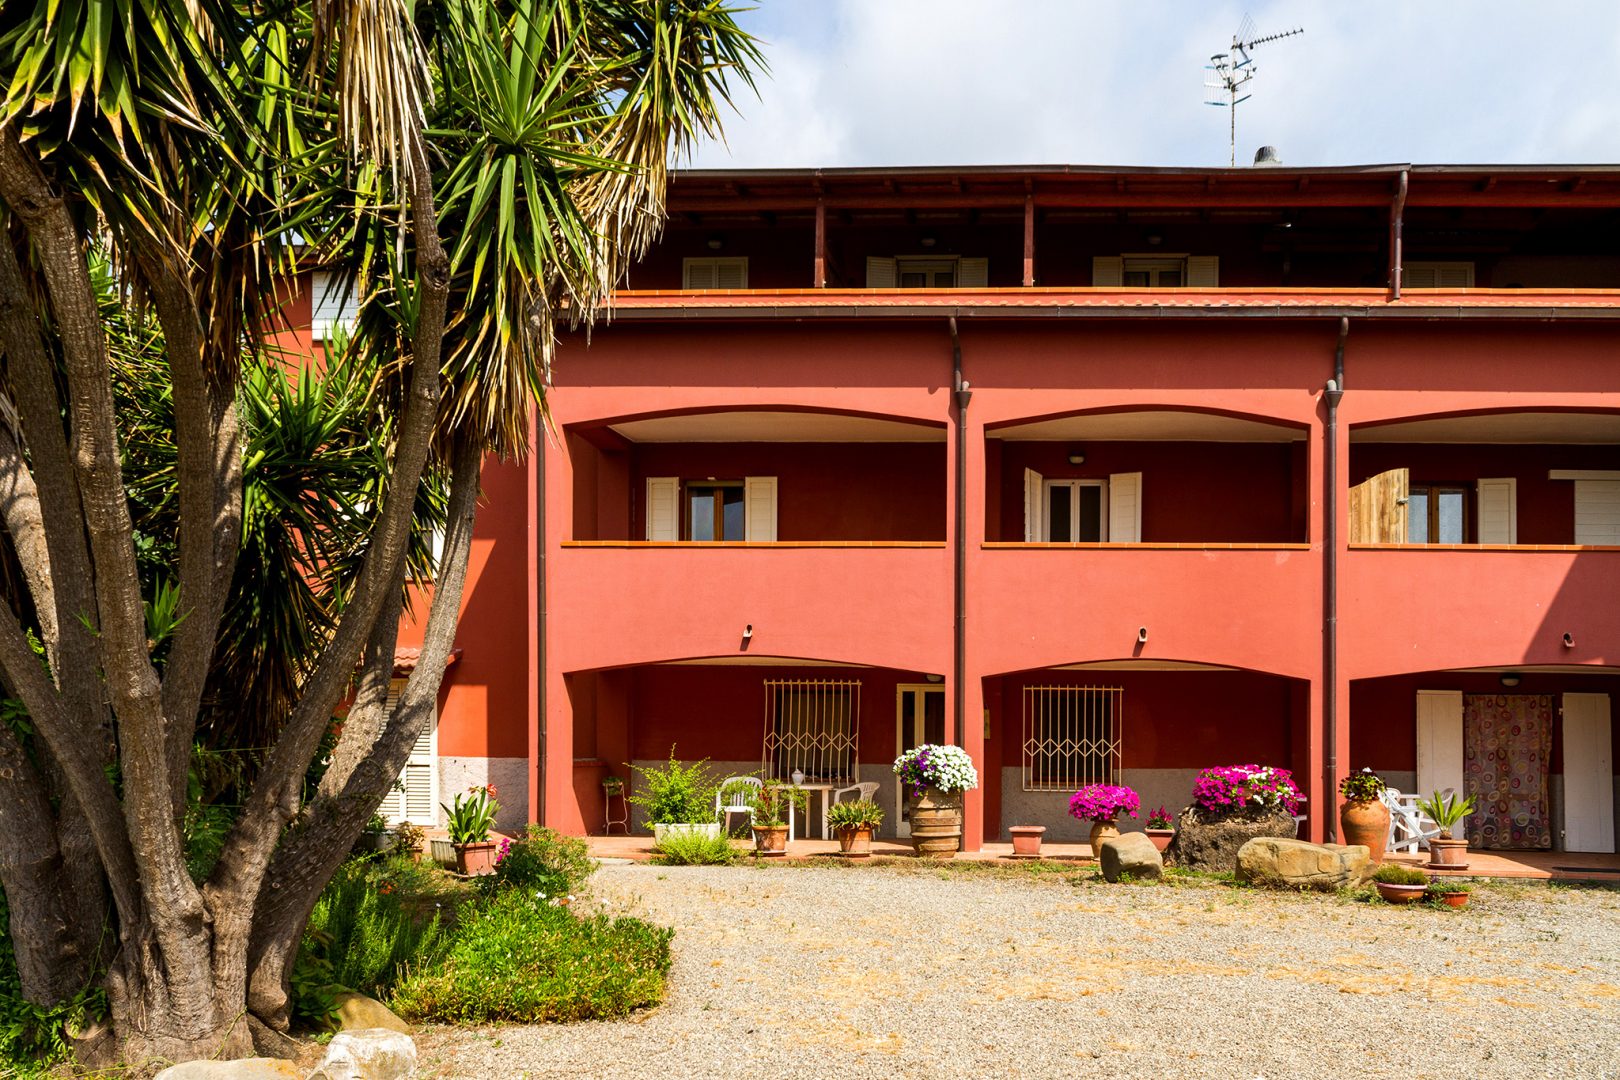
(1419, 277)
(415, 798)
(663, 508)
(731, 274)
(1034, 507)
(973, 273)
(1204, 271)
(335, 303)
(1597, 512)
(1107, 270)
(759, 509)
(1439, 741)
(880, 273)
(1460, 276)
(1125, 508)
(1498, 511)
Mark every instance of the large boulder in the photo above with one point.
(1280, 863)
(368, 1054)
(356, 1011)
(1211, 844)
(1131, 854)
(238, 1069)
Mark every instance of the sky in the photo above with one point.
(1010, 82)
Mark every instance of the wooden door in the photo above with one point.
(1439, 742)
(1588, 774)
(1378, 508)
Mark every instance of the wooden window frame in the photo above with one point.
(1074, 484)
(1153, 265)
(932, 265)
(1431, 489)
(688, 486)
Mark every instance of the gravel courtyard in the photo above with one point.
(913, 971)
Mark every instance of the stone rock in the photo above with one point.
(1212, 845)
(368, 1054)
(356, 1011)
(1130, 853)
(241, 1069)
(1280, 863)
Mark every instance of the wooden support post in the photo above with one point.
(1029, 241)
(821, 244)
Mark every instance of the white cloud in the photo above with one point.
(868, 82)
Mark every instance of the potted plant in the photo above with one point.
(854, 822)
(1101, 804)
(1400, 884)
(767, 805)
(1027, 840)
(377, 837)
(1231, 805)
(1161, 828)
(1445, 851)
(469, 818)
(934, 777)
(677, 797)
(1363, 817)
(1450, 893)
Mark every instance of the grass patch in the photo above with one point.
(694, 849)
(522, 959)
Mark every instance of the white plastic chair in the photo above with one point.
(1409, 827)
(731, 798)
(867, 789)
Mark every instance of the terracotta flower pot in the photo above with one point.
(770, 839)
(936, 823)
(475, 860)
(1027, 839)
(1448, 854)
(1101, 831)
(1400, 894)
(1161, 837)
(1365, 823)
(1454, 899)
(855, 843)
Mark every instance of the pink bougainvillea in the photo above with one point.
(1228, 789)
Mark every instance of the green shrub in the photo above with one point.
(544, 860)
(1394, 874)
(373, 919)
(677, 793)
(694, 849)
(522, 959)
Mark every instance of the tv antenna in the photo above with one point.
(1234, 69)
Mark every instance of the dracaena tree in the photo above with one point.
(487, 167)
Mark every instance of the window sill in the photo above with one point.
(1485, 547)
(1108, 546)
(733, 544)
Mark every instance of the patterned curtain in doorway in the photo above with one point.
(1507, 742)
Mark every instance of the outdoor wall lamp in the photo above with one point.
(1569, 640)
(748, 632)
(1510, 681)
(1141, 635)
(716, 242)
(929, 240)
(1077, 459)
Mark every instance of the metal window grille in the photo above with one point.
(812, 725)
(1071, 736)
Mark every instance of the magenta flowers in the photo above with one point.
(1103, 802)
(1230, 789)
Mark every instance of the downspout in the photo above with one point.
(1397, 214)
(1330, 584)
(962, 394)
(542, 538)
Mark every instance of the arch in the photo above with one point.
(1297, 429)
(774, 406)
(1522, 424)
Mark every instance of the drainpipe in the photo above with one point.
(540, 541)
(962, 394)
(1397, 212)
(1330, 582)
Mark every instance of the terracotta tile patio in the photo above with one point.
(1535, 865)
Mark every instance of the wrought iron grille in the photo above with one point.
(812, 725)
(1071, 736)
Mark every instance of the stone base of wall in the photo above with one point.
(1170, 788)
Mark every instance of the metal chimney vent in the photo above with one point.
(1267, 155)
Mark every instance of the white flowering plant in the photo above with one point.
(947, 768)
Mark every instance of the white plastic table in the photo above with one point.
(826, 791)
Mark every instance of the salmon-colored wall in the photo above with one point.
(1191, 491)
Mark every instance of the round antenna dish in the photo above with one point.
(1267, 155)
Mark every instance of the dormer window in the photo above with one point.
(730, 272)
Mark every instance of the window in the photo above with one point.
(1437, 275)
(812, 726)
(1597, 512)
(1156, 271)
(715, 511)
(1437, 514)
(1076, 511)
(730, 272)
(1071, 736)
(335, 304)
(927, 272)
(415, 797)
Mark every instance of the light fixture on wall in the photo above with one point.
(1141, 635)
(716, 242)
(929, 240)
(748, 632)
(935, 678)
(1154, 239)
(1077, 459)
(1569, 641)
(1510, 680)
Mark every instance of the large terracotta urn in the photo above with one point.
(936, 823)
(1100, 831)
(1365, 823)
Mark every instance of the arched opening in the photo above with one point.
(1151, 725)
(758, 475)
(1531, 477)
(1147, 476)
